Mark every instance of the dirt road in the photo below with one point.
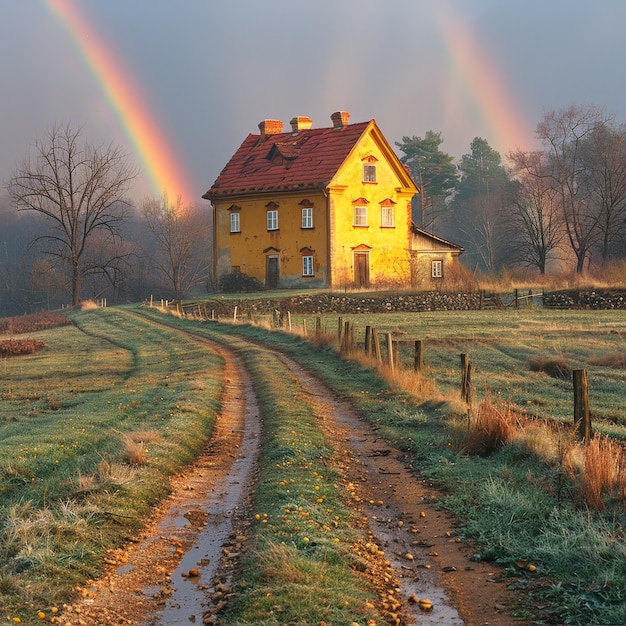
(182, 569)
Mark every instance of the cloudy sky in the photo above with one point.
(180, 83)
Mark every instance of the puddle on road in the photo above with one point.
(426, 583)
(423, 586)
(189, 601)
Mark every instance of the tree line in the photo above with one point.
(70, 233)
(559, 208)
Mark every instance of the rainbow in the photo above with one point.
(477, 90)
(164, 171)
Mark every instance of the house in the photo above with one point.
(432, 258)
(319, 207)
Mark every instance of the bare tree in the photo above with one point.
(536, 216)
(565, 135)
(605, 166)
(80, 189)
(180, 251)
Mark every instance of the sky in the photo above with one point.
(179, 84)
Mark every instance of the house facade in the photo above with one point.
(315, 207)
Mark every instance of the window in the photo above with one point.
(437, 269)
(369, 173)
(272, 220)
(360, 216)
(387, 217)
(307, 266)
(307, 217)
(234, 223)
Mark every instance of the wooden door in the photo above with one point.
(362, 269)
(271, 272)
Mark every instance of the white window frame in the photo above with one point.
(235, 223)
(307, 217)
(369, 172)
(436, 268)
(307, 265)
(360, 216)
(272, 219)
(387, 216)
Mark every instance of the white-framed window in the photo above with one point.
(437, 269)
(307, 217)
(387, 217)
(369, 172)
(360, 216)
(307, 265)
(272, 220)
(235, 225)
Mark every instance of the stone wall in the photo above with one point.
(346, 303)
(585, 299)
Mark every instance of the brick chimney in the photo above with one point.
(301, 122)
(271, 127)
(340, 119)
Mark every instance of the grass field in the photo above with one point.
(503, 347)
(88, 428)
(91, 424)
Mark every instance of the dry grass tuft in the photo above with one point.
(604, 468)
(88, 305)
(555, 367)
(415, 383)
(490, 427)
(135, 449)
(613, 359)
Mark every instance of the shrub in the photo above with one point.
(237, 282)
(32, 322)
(17, 347)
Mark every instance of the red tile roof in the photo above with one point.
(284, 161)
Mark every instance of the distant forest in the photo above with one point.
(560, 209)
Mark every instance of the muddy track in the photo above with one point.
(184, 566)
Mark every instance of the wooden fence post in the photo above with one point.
(466, 379)
(339, 330)
(390, 350)
(376, 345)
(582, 414)
(368, 340)
(418, 360)
(235, 314)
(289, 320)
(318, 326)
(304, 327)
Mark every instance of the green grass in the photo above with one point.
(299, 571)
(501, 346)
(516, 506)
(88, 429)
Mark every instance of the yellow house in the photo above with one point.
(315, 207)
